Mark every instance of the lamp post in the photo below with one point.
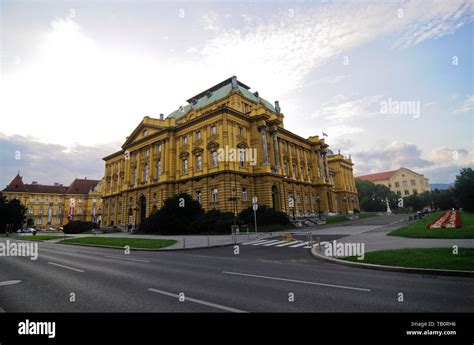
(318, 200)
(234, 200)
(136, 209)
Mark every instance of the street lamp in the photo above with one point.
(318, 200)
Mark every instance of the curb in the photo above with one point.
(431, 271)
(151, 249)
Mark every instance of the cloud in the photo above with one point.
(49, 163)
(354, 109)
(390, 157)
(467, 106)
(441, 165)
(438, 19)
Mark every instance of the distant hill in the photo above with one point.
(440, 186)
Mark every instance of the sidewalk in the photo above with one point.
(378, 239)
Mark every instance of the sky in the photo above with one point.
(389, 82)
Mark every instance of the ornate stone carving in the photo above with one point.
(183, 154)
(213, 145)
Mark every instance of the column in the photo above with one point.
(263, 133)
(276, 149)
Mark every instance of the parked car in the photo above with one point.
(27, 230)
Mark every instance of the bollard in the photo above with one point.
(208, 240)
(184, 242)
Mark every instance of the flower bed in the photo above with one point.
(449, 219)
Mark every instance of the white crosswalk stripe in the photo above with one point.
(280, 243)
(265, 242)
(288, 243)
(272, 244)
(300, 245)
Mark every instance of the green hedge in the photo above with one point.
(77, 227)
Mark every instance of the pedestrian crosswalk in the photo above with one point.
(279, 243)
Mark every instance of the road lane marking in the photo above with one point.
(118, 257)
(67, 267)
(272, 244)
(300, 245)
(209, 304)
(288, 243)
(296, 281)
(10, 282)
(266, 242)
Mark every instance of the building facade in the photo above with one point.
(403, 181)
(52, 206)
(226, 146)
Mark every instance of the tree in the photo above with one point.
(443, 199)
(265, 216)
(177, 216)
(12, 213)
(372, 197)
(464, 189)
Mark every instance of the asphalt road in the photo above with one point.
(257, 279)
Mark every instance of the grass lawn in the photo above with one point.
(440, 258)
(418, 229)
(367, 215)
(137, 243)
(336, 219)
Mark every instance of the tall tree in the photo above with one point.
(464, 189)
(12, 213)
(372, 197)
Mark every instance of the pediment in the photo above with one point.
(139, 133)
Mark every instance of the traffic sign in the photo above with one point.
(255, 207)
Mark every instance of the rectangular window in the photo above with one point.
(397, 184)
(241, 157)
(39, 221)
(158, 167)
(145, 173)
(214, 195)
(415, 191)
(185, 140)
(404, 183)
(244, 194)
(407, 192)
(214, 158)
(40, 211)
(199, 196)
(241, 131)
(58, 220)
(213, 129)
(198, 135)
(413, 182)
(30, 210)
(185, 166)
(399, 193)
(198, 162)
(158, 146)
(286, 169)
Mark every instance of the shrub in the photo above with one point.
(215, 221)
(77, 226)
(356, 210)
(265, 216)
(172, 218)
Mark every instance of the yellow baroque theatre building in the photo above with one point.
(226, 146)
